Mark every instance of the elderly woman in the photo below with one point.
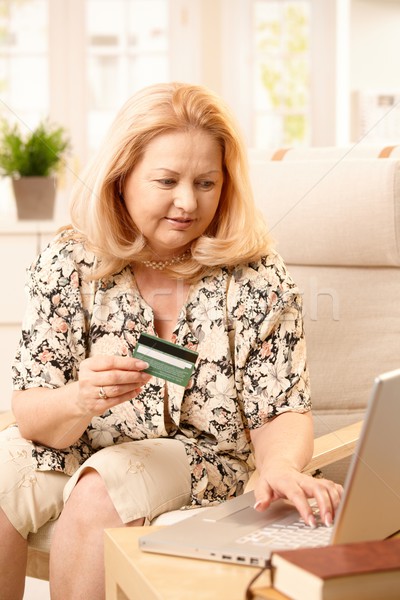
(164, 240)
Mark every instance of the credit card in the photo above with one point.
(166, 360)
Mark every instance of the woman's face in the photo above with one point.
(173, 192)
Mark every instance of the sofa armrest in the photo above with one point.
(334, 446)
(328, 449)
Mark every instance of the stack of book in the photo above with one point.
(356, 571)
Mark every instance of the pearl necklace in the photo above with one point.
(160, 265)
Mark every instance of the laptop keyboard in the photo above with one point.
(289, 534)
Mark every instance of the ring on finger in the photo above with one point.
(102, 394)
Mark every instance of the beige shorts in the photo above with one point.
(144, 479)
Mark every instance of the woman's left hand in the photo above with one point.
(284, 481)
(283, 448)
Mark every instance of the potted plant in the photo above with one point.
(32, 161)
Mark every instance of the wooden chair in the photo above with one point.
(328, 449)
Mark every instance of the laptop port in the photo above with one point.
(241, 559)
(226, 557)
(254, 561)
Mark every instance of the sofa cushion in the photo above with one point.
(336, 223)
(352, 323)
(325, 152)
(42, 538)
(330, 212)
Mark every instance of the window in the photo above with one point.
(77, 62)
(24, 81)
(127, 48)
(280, 73)
(266, 71)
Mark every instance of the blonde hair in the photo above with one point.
(237, 233)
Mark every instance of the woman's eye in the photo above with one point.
(206, 184)
(167, 181)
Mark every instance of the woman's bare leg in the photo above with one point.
(13, 556)
(77, 550)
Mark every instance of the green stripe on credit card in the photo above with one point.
(166, 360)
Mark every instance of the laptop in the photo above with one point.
(370, 506)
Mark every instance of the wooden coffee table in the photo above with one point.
(135, 575)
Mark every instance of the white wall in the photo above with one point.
(374, 70)
(330, 93)
(375, 44)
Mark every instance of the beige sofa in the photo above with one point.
(335, 214)
(336, 220)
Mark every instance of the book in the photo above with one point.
(355, 571)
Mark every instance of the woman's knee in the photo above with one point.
(139, 479)
(89, 500)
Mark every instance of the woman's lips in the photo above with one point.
(179, 223)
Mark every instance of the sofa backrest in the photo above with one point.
(336, 222)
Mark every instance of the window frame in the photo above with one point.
(329, 53)
(68, 89)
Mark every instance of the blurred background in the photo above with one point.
(298, 72)
(295, 72)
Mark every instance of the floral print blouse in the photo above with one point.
(245, 323)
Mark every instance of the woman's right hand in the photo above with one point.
(57, 417)
(120, 378)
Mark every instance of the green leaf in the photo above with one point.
(37, 153)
